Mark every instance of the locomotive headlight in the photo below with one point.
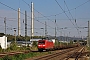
(43, 45)
(39, 45)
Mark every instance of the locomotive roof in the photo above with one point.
(35, 39)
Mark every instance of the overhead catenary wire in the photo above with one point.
(54, 15)
(21, 12)
(66, 14)
(44, 24)
(70, 9)
(38, 12)
(65, 11)
(42, 15)
(72, 17)
(34, 15)
(11, 8)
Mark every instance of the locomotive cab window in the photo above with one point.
(41, 42)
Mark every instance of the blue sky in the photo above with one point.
(48, 10)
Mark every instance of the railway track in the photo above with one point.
(62, 55)
(76, 54)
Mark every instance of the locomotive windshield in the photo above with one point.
(41, 42)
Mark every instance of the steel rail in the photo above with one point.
(51, 56)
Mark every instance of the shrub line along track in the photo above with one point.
(13, 53)
(61, 55)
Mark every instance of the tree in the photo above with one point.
(2, 34)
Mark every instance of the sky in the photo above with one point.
(70, 15)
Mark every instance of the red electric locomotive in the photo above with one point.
(45, 45)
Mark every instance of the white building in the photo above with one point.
(3, 42)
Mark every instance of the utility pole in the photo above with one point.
(26, 26)
(5, 30)
(15, 35)
(67, 39)
(88, 39)
(43, 32)
(55, 28)
(45, 29)
(61, 37)
(25, 23)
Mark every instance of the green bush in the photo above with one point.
(6, 58)
(13, 46)
(24, 56)
(34, 43)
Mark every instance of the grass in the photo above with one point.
(88, 48)
(24, 56)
